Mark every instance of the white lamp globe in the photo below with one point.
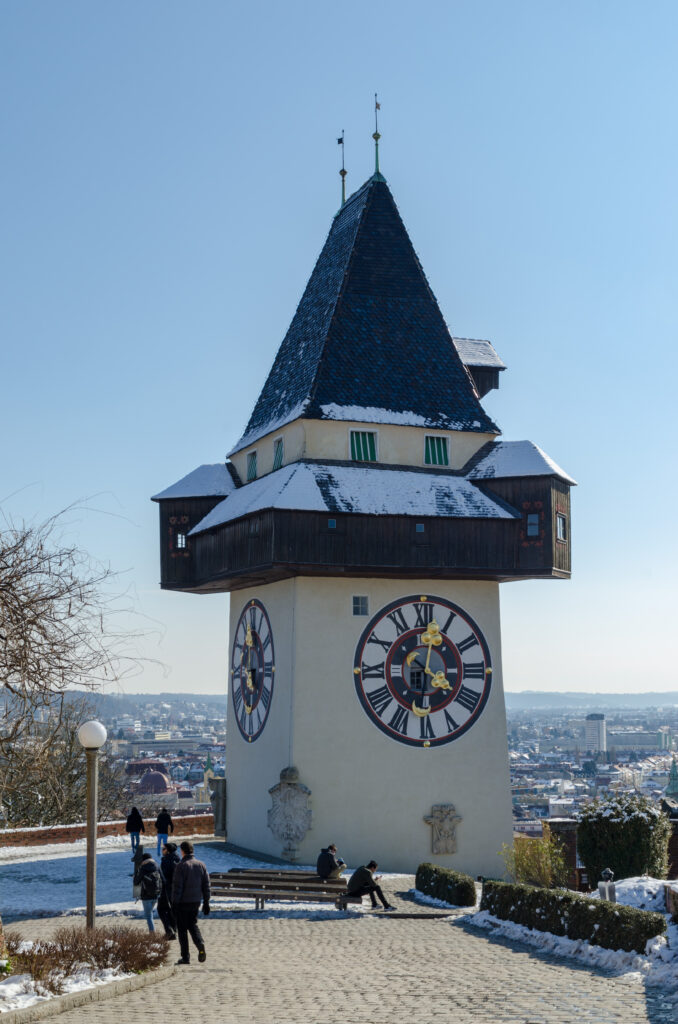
(92, 735)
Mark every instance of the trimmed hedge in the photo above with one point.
(443, 883)
(562, 912)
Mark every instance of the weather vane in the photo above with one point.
(343, 171)
(376, 136)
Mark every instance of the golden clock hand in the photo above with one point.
(420, 712)
(250, 684)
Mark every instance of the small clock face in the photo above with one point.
(422, 671)
(252, 670)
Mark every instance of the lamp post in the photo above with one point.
(92, 735)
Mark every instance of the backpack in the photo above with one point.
(151, 884)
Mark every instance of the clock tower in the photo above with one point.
(363, 523)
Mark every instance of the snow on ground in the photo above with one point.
(51, 882)
(659, 965)
(18, 991)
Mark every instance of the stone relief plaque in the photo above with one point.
(289, 819)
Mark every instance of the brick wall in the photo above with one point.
(184, 825)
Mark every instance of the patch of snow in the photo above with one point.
(431, 901)
(267, 428)
(371, 414)
(54, 885)
(517, 458)
(659, 965)
(643, 892)
(477, 352)
(18, 991)
(207, 481)
(363, 490)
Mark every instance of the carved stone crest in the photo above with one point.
(443, 820)
(289, 819)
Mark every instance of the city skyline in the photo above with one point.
(171, 179)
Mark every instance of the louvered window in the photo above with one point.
(363, 446)
(278, 452)
(252, 466)
(436, 451)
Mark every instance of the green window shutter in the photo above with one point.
(363, 446)
(435, 451)
(278, 453)
(252, 466)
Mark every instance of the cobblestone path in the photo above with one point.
(372, 970)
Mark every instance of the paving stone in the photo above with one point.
(369, 970)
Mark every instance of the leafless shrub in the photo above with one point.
(74, 947)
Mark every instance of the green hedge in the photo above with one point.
(568, 913)
(445, 884)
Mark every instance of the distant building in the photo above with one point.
(595, 733)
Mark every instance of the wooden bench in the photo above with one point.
(295, 886)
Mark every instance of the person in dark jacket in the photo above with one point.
(329, 865)
(190, 885)
(148, 877)
(362, 883)
(135, 825)
(170, 859)
(163, 826)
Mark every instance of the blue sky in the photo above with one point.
(170, 174)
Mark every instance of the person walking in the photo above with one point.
(163, 826)
(148, 878)
(363, 882)
(190, 885)
(170, 859)
(134, 826)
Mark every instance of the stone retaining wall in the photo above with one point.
(184, 825)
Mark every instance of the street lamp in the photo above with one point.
(92, 735)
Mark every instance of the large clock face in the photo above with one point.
(252, 670)
(422, 671)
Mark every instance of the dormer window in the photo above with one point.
(278, 452)
(252, 466)
(364, 445)
(436, 450)
(181, 541)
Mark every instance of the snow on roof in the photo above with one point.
(516, 458)
(476, 352)
(363, 490)
(267, 427)
(206, 481)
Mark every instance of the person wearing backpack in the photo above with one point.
(148, 878)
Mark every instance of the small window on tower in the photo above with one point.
(278, 452)
(331, 524)
(252, 466)
(561, 527)
(360, 606)
(419, 528)
(363, 445)
(436, 451)
(181, 541)
(532, 524)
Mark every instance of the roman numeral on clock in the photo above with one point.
(267, 641)
(448, 623)
(399, 620)
(237, 699)
(426, 728)
(380, 699)
(424, 614)
(374, 639)
(268, 669)
(265, 698)
(474, 670)
(450, 722)
(468, 698)
(372, 671)
(399, 720)
(470, 641)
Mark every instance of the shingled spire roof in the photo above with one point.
(368, 341)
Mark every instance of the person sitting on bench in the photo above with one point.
(329, 865)
(362, 882)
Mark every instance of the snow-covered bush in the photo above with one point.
(562, 912)
(626, 833)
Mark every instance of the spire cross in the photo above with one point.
(376, 136)
(343, 172)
